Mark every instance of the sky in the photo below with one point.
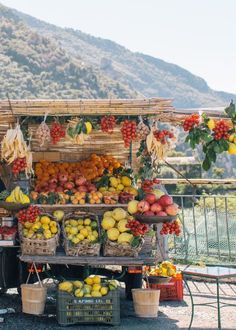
(198, 35)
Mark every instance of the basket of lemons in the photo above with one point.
(40, 237)
(122, 234)
(94, 300)
(81, 234)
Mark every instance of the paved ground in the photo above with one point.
(172, 315)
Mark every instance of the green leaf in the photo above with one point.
(135, 241)
(206, 163)
(78, 128)
(70, 132)
(211, 155)
(224, 145)
(230, 110)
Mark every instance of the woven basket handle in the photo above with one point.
(35, 268)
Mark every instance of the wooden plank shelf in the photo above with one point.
(78, 206)
(61, 259)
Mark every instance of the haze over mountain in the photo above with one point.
(43, 60)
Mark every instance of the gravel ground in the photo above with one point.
(172, 315)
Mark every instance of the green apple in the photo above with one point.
(59, 214)
(158, 193)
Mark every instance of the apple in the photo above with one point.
(172, 209)
(63, 178)
(161, 214)
(91, 187)
(53, 180)
(81, 181)
(143, 206)
(59, 189)
(149, 213)
(156, 207)
(52, 186)
(165, 200)
(59, 214)
(151, 198)
(69, 185)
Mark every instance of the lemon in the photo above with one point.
(45, 220)
(80, 222)
(113, 234)
(87, 288)
(80, 227)
(66, 286)
(107, 214)
(113, 182)
(53, 230)
(28, 224)
(231, 137)
(232, 149)
(122, 225)
(74, 230)
(30, 233)
(120, 187)
(78, 284)
(70, 237)
(211, 124)
(67, 229)
(36, 226)
(53, 223)
(108, 223)
(84, 232)
(47, 234)
(125, 238)
(80, 237)
(96, 294)
(89, 229)
(95, 233)
(96, 279)
(45, 226)
(75, 240)
(67, 222)
(73, 222)
(88, 295)
(96, 287)
(92, 238)
(119, 214)
(79, 293)
(87, 222)
(89, 280)
(104, 291)
(126, 181)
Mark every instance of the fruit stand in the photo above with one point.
(81, 183)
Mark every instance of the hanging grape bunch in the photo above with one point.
(128, 131)
(163, 136)
(221, 130)
(108, 124)
(57, 132)
(171, 228)
(43, 134)
(142, 131)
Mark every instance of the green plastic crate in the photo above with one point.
(73, 310)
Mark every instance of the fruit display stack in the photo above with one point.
(122, 234)
(81, 234)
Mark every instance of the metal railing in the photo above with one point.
(208, 229)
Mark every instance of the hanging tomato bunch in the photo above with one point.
(163, 136)
(214, 136)
(128, 131)
(19, 165)
(57, 132)
(108, 124)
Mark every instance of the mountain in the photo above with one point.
(35, 66)
(42, 60)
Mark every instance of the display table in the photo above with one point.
(61, 259)
(217, 274)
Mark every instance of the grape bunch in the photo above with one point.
(142, 131)
(137, 228)
(147, 185)
(19, 165)
(128, 131)
(57, 132)
(28, 215)
(171, 228)
(221, 130)
(108, 124)
(191, 121)
(163, 136)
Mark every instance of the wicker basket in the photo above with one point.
(84, 248)
(39, 247)
(114, 249)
